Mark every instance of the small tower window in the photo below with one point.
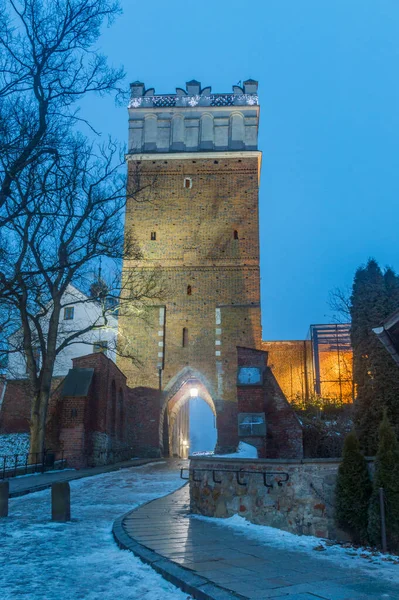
(189, 290)
(188, 183)
(153, 235)
(69, 312)
(235, 234)
(185, 337)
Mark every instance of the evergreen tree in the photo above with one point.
(386, 476)
(375, 295)
(353, 490)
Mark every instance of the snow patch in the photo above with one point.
(344, 555)
(12, 444)
(244, 451)
(80, 559)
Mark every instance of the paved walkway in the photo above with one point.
(27, 484)
(211, 562)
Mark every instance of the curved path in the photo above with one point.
(211, 562)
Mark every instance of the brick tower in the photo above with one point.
(194, 155)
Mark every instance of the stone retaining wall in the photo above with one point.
(302, 505)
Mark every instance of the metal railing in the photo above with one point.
(239, 473)
(12, 465)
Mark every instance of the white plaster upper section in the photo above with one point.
(85, 313)
(193, 120)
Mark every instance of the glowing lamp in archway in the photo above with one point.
(194, 392)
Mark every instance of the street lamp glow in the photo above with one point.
(194, 392)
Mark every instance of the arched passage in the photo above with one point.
(174, 423)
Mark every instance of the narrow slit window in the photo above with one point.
(189, 290)
(188, 183)
(153, 236)
(185, 337)
(235, 234)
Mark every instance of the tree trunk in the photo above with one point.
(38, 423)
(41, 396)
(36, 436)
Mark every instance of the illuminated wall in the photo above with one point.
(291, 363)
(320, 367)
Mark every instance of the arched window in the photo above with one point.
(185, 337)
(237, 131)
(188, 183)
(189, 290)
(235, 234)
(153, 236)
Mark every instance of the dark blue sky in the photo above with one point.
(328, 76)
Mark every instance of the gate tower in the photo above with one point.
(195, 156)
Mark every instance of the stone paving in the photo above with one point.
(237, 566)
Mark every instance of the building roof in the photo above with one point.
(388, 334)
(77, 382)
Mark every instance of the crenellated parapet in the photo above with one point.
(193, 119)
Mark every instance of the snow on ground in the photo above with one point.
(244, 451)
(42, 560)
(12, 444)
(372, 562)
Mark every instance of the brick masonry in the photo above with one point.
(293, 366)
(16, 405)
(283, 429)
(210, 279)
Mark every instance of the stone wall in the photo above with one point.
(302, 505)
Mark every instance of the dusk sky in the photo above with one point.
(328, 75)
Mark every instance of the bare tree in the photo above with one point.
(340, 303)
(73, 215)
(48, 61)
(61, 198)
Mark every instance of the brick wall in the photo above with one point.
(195, 246)
(16, 406)
(102, 418)
(292, 365)
(284, 432)
(88, 429)
(144, 410)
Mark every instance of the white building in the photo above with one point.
(77, 314)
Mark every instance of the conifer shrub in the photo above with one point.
(375, 296)
(353, 491)
(386, 476)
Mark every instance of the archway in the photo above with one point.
(175, 427)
